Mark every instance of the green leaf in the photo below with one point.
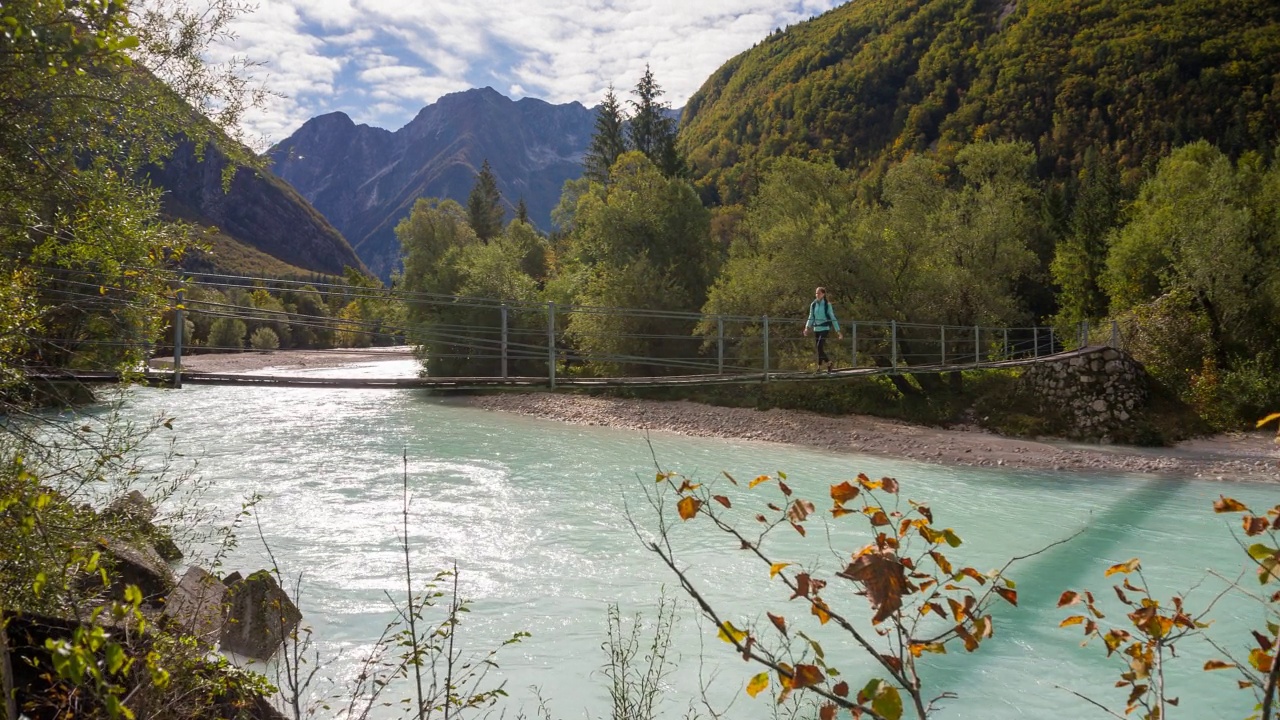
(888, 703)
(1258, 551)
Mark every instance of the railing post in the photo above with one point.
(893, 344)
(551, 344)
(943, 344)
(1115, 334)
(765, 331)
(719, 344)
(1035, 335)
(178, 322)
(504, 340)
(1084, 333)
(1052, 348)
(854, 333)
(1005, 356)
(977, 345)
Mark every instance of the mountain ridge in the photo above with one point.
(365, 179)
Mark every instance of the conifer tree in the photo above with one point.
(609, 140)
(484, 205)
(651, 131)
(522, 212)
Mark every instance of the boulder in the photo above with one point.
(198, 605)
(133, 508)
(134, 564)
(136, 510)
(259, 616)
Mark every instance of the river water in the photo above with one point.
(535, 514)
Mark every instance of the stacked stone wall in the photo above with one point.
(1097, 392)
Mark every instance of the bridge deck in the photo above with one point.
(540, 383)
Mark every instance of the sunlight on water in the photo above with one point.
(534, 514)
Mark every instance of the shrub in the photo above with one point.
(227, 333)
(264, 338)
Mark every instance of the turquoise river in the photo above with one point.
(535, 514)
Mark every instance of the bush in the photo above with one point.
(227, 333)
(264, 338)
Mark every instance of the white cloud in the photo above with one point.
(382, 60)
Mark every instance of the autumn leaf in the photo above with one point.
(879, 519)
(776, 568)
(1268, 419)
(970, 642)
(918, 648)
(802, 586)
(867, 483)
(778, 622)
(844, 492)
(1009, 595)
(890, 485)
(1254, 525)
(722, 500)
(731, 634)
(841, 512)
(799, 511)
(841, 689)
(820, 610)
(827, 712)
(952, 539)
(757, 481)
(1073, 620)
(805, 676)
(943, 564)
(730, 477)
(757, 684)
(1260, 660)
(884, 579)
(687, 486)
(786, 489)
(1124, 567)
(688, 507)
(799, 528)
(1225, 504)
(1218, 665)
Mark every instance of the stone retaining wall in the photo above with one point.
(1097, 392)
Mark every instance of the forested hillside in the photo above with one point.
(873, 81)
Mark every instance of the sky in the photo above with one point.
(381, 61)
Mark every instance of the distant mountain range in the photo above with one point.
(364, 180)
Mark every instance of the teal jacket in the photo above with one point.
(821, 317)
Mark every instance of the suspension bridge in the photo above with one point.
(471, 343)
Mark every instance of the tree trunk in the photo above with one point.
(956, 379)
(6, 673)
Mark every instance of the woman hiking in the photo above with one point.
(822, 320)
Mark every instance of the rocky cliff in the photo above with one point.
(258, 212)
(365, 179)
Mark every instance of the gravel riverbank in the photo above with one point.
(1247, 456)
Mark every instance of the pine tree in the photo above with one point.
(484, 205)
(609, 140)
(522, 212)
(651, 131)
(1081, 257)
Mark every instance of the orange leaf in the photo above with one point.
(778, 622)
(722, 500)
(1225, 504)
(970, 642)
(1124, 567)
(757, 481)
(1073, 620)
(786, 490)
(844, 492)
(878, 518)
(776, 568)
(806, 676)
(890, 485)
(827, 712)
(1254, 525)
(1007, 594)
(943, 564)
(1069, 597)
(820, 610)
(1218, 665)
(841, 689)
(883, 578)
(867, 483)
(841, 512)
(688, 507)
